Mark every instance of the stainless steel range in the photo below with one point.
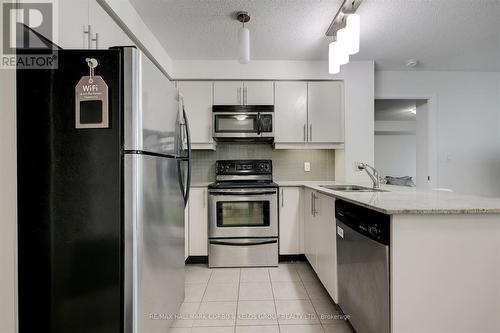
(243, 215)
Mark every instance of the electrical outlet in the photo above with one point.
(307, 166)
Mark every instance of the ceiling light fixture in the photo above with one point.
(243, 38)
(345, 30)
(411, 63)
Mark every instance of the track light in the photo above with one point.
(345, 28)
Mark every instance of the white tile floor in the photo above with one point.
(286, 299)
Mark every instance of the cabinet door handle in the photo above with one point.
(244, 95)
(282, 197)
(314, 209)
(310, 133)
(312, 204)
(96, 40)
(88, 32)
(305, 135)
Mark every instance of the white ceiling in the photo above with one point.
(442, 34)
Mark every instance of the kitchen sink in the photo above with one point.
(352, 188)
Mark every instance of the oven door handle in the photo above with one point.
(242, 192)
(229, 243)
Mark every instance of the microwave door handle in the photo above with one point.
(258, 124)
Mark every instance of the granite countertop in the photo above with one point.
(401, 200)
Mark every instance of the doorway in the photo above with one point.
(402, 140)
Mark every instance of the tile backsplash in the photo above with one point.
(287, 164)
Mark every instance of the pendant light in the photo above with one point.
(345, 28)
(341, 46)
(353, 24)
(243, 39)
(333, 65)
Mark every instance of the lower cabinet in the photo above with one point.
(310, 227)
(291, 212)
(320, 242)
(198, 222)
(326, 238)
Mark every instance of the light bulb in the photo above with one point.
(244, 45)
(333, 65)
(340, 55)
(353, 27)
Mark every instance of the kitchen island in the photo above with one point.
(444, 256)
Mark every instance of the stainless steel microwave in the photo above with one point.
(243, 122)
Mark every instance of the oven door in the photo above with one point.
(243, 213)
(236, 124)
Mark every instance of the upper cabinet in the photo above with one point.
(228, 93)
(290, 112)
(309, 115)
(105, 31)
(258, 93)
(73, 18)
(325, 107)
(198, 105)
(84, 24)
(243, 93)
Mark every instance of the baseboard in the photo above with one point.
(197, 260)
(292, 257)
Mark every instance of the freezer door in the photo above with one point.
(152, 107)
(154, 243)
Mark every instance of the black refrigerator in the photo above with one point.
(103, 177)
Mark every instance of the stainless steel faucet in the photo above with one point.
(372, 172)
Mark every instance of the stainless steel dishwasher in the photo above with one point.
(363, 239)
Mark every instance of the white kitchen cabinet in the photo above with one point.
(290, 112)
(243, 93)
(75, 17)
(291, 210)
(326, 260)
(310, 227)
(198, 221)
(325, 112)
(108, 31)
(198, 101)
(320, 238)
(258, 93)
(228, 93)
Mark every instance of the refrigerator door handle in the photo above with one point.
(188, 137)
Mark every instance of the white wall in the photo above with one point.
(7, 201)
(468, 123)
(396, 155)
(359, 96)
